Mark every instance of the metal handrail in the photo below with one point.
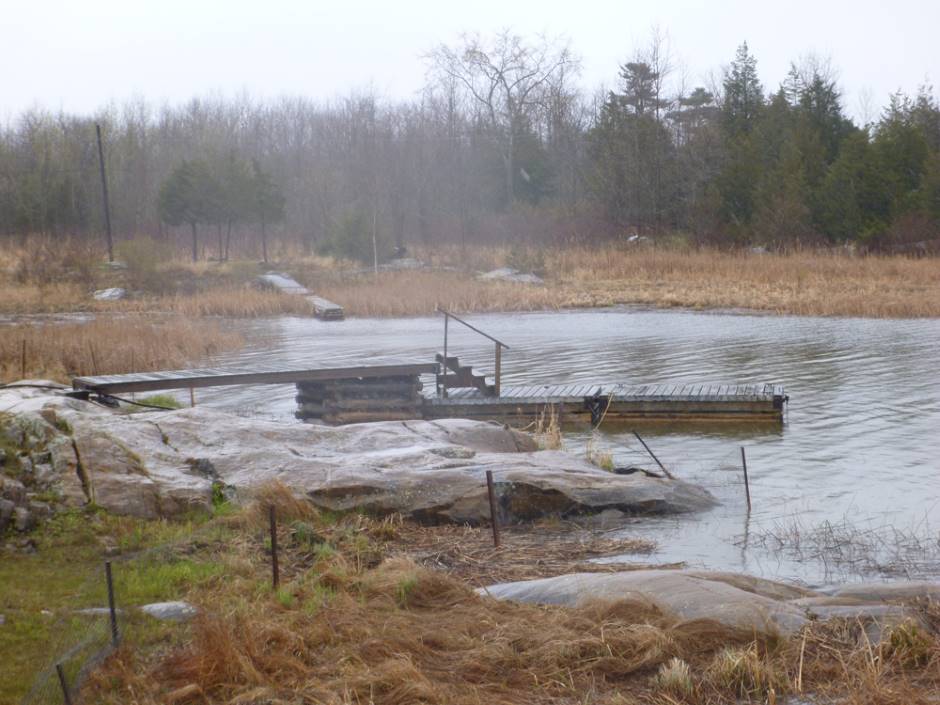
(500, 345)
(448, 314)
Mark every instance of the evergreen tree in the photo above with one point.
(854, 200)
(634, 156)
(191, 195)
(743, 94)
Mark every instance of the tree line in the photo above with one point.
(502, 145)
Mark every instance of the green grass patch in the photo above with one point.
(152, 561)
(165, 400)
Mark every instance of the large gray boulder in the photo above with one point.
(733, 599)
(163, 463)
(688, 595)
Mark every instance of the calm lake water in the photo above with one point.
(859, 449)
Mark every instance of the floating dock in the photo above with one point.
(593, 402)
(341, 395)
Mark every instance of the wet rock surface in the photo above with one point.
(165, 463)
(733, 599)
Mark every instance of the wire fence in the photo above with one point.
(106, 612)
(81, 639)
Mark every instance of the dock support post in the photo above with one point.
(192, 396)
(499, 365)
(653, 456)
(747, 486)
(23, 361)
(492, 496)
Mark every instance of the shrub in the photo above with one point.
(351, 238)
(143, 257)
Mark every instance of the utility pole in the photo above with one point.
(104, 192)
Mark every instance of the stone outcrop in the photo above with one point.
(735, 600)
(163, 463)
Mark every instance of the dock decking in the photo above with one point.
(617, 401)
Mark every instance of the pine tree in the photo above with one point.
(743, 94)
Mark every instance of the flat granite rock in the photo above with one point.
(164, 463)
(688, 595)
(733, 599)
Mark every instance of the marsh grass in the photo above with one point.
(547, 429)
(817, 283)
(111, 345)
(57, 277)
(846, 547)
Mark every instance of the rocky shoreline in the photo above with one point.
(161, 464)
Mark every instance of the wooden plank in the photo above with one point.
(182, 379)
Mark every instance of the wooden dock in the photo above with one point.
(592, 402)
(394, 391)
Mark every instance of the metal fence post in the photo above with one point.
(275, 569)
(64, 684)
(111, 609)
(492, 496)
(747, 486)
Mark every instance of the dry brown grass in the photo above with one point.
(416, 293)
(235, 302)
(109, 346)
(538, 551)
(58, 277)
(46, 278)
(817, 283)
(803, 283)
(353, 624)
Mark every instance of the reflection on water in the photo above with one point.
(861, 439)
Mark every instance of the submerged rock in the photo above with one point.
(154, 464)
(733, 599)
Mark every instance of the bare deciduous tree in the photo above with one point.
(509, 80)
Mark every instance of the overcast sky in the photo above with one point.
(79, 55)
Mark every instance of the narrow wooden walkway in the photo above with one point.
(323, 309)
(191, 379)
